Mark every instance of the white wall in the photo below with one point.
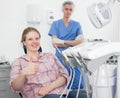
(13, 21)
(119, 25)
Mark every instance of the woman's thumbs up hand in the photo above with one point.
(31, 68)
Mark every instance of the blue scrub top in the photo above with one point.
(59, 29)
(70, 32)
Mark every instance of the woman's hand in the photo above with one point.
(53, 85)
(30, 69)
(44, 90)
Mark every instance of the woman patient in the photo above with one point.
(37, 74)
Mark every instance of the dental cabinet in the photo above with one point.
(5, 91)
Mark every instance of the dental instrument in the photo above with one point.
(95, 54)
(66, 61)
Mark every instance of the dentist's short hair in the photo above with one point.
(68, 3)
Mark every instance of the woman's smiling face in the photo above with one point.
(32, 41)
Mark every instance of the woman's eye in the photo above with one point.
(30, 39)
(37, 38)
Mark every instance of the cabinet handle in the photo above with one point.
(3, 80)
(2, 69)
(3, 90)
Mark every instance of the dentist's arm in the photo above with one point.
(65, 43)
(73, 42)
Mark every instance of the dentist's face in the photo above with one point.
(32, 41)
(67, 10)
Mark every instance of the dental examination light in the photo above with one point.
(99, 14)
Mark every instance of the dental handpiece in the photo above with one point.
(67, 62)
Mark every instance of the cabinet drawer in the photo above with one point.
(7, 93)
(5, 72)
(9, 96)
(4, 83)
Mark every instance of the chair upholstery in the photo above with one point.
(24, 48)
